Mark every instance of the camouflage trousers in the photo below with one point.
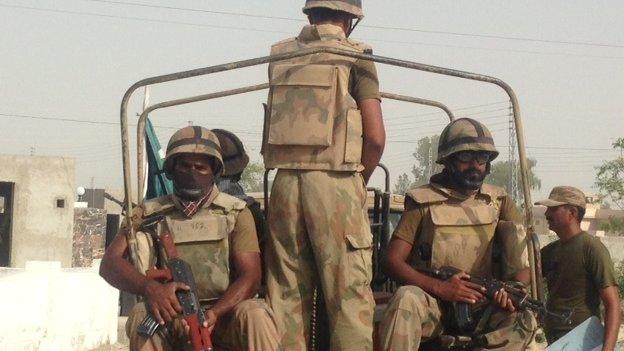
(413, 315)
(250, 326)
(319, 236)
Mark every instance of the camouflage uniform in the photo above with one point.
(319, 235)
(449, 228)
(205, 240)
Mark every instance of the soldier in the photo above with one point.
(452, 221)
(215, 234)
(324, 133)
(235, 160)
(578, 269)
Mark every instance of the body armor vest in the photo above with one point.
(312, 121)
(202, 241)
(457, 233)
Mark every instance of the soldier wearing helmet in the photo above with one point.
(456, 220)
(324, 133)
(213, 232)
(235, 161)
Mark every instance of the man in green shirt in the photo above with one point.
(578, 269)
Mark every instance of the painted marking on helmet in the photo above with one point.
(477, 126)
(198, 132)
(188, 141)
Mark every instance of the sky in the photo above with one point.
(65, 65)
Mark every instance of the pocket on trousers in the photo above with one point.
(359, 256)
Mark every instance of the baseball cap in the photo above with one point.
(564, 195)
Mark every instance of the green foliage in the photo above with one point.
(610, 176)
(252, 177)
(500, 175)
(425, 154)
(403, 184)
(613, 226)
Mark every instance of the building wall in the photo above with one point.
(45, 307)
(41, 229)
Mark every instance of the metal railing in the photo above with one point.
(533, 243)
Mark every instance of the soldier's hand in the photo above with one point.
(211, 318)
(162, 300)
(457, 289)
(501, 298)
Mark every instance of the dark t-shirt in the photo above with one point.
(575, 272)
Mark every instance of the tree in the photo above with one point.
(500, 175)
(613, 226)
(253, 177)
(425, 154)
(403, 184)
(610, 177)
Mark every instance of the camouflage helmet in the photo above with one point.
(353, 7)
(465, 134)
(235, 158)
(194, 140)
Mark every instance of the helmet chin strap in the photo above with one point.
(352, 27)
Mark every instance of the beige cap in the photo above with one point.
(564, 195)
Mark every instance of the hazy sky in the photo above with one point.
(66, 61)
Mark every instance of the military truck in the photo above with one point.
(384, 207)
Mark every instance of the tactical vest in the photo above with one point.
(202, 241)
(454, 232)
(312, 121)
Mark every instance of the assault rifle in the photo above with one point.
(462, 312)
(178, 270)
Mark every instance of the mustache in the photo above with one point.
(472, 170)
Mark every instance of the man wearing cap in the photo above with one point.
(324, 134)
(215, 234)
(578, 269)
(457, 220)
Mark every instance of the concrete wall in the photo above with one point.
(41, 230)
(45, 307)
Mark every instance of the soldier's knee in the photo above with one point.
(251, 310)
(410, 299)
(409, 294)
